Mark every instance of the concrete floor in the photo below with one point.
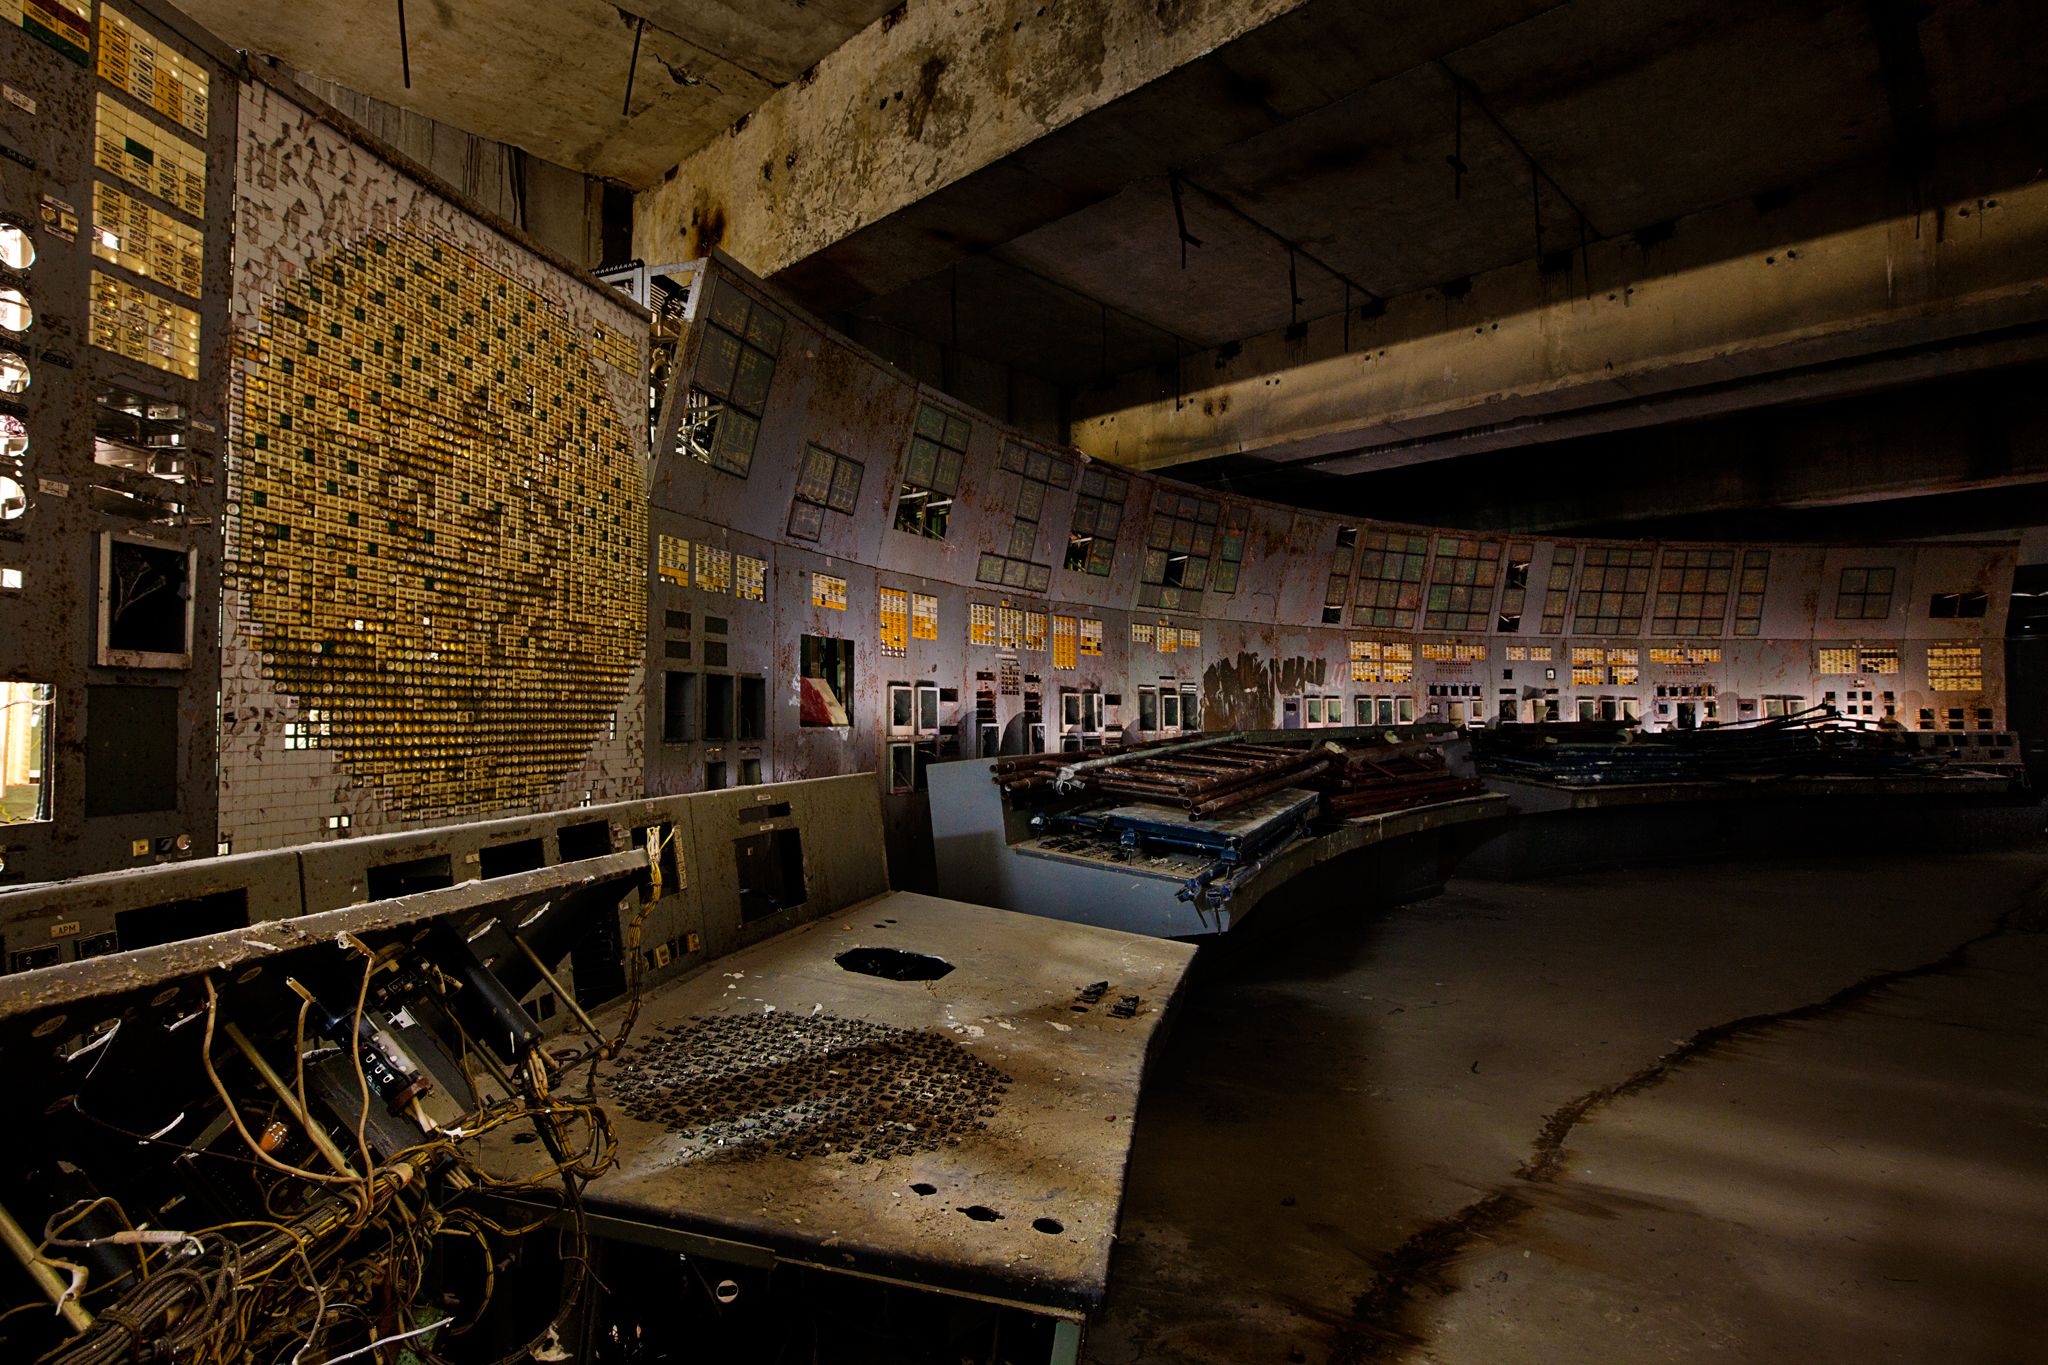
(1655, 1115)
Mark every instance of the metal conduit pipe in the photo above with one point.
(1069, 777)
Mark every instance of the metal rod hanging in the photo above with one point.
(632, 68)
(404, 47)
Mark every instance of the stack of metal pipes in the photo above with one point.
(1213, 778)
(1023, 773)
(1380, 778)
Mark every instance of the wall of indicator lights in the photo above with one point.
(146, 240)
(129, 232)
(111, 489)
(132, 60)
(143, 327)
(437, 529)
(65, 25)
(867, 493)
(127, 145)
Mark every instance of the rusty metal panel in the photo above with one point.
(110, 513)
(845, 814)
(981, 1098)
(693, 914)
(89, 917)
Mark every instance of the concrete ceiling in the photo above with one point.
(1318, 145)
(1966, 454)
(552, 78)
(1306, 161)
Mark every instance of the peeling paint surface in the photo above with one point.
(914, 103)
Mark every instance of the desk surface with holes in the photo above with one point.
(961, 1123)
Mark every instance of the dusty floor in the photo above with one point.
(1639, 1116)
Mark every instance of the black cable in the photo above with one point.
(404, 47)
(1463, 87)
(1231, 207)
(1180, 220)
(632, 68)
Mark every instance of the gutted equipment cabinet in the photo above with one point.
(800, 1066)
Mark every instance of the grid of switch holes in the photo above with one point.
(931, 472)
(1461, 581)
(1178, 545)
(1038, 473)
(1390, 565)
(456, 631)
(1098, 515)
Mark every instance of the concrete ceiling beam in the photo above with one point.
(1522, 348)
(918, 101)
(552, 78)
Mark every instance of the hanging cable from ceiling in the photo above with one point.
(1294, 291)
(404, 47)
(1374, 303)
(1462, 88)
(1180, 220)
(633, 66)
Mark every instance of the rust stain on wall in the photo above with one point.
(1301, 672)
(1079, 49)
(924, 98)
(1243, 693)
(707, 227)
